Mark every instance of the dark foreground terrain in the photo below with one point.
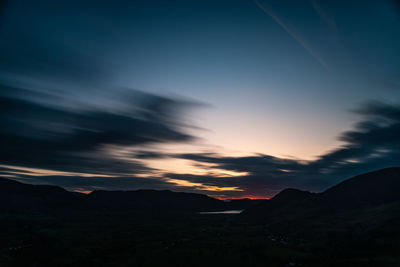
(356, 223)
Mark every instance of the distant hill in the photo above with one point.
(365, 195)
(290, 203)
(16, 197)
(20, 198)
(365, 199)
(154, 200)
(241, 204)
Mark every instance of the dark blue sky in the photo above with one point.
(237, 80)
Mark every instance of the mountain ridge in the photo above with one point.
(359, 192)
(361, 195)
(22, 198)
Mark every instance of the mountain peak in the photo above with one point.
(361, 191)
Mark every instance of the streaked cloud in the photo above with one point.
(292, 32)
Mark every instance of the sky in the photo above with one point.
(231, 99)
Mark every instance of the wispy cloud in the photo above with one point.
(267, 10)
(324, 16)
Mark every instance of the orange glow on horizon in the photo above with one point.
(83, 191)
(203, 187)
(240, 197)
(184, 166)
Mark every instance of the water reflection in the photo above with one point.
(222, 212)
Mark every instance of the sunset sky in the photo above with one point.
(235, 98)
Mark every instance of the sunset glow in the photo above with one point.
(199, 133)
(202, 187)
(225, 98)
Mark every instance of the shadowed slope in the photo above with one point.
(354, 199)
(374, 188)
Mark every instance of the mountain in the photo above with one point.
(16, 197)
(241, 204)
(21, 198)
(154, 200)
(366, 192)
(370, 189)
(288, 204)
(364, 199)
(355, 223)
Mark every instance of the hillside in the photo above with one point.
(368, 201)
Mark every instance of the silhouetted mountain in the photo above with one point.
(364, 192)
(374, 188)
(290, 203)
(16, 197)
(241, 204)
(365, 198)
(120, 228)
(20, 198)
(153, 200)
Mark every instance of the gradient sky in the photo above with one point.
(227, 98)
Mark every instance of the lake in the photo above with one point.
(222, 212)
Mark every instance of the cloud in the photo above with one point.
(103, 146)
(61, 118)
(325, 16)
(61, 113)
(38, 131)
(295, 35)
(374, 143)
